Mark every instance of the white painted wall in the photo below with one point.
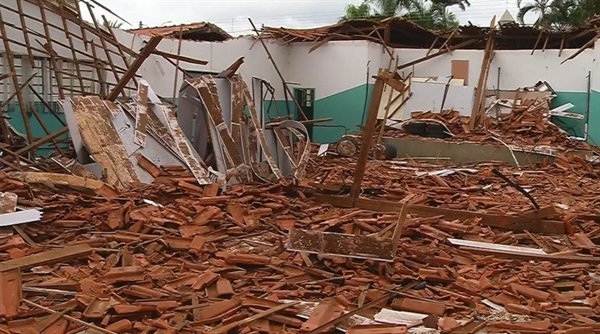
(161, 74)
(595, 82)
(518, 68)
(334, 67)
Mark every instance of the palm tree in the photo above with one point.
(542, 7)
(462, 4)
(390, 8)
(355, 12)
(114, 24)
(562, 14)
(432, 16)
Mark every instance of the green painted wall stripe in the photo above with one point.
(575, 127)
(346, 109)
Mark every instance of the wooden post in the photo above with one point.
(50, 50)
(367, 136)
(121, 51)
(43, 125)
(25, 33)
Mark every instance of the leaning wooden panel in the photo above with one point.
(102, 141)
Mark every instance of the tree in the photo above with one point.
(462, 4)
(561, 14)
(114, 24)
(432, 14)
(389, 8)
(356, 12)
(541, 7)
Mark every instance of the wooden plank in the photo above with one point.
(260, 133)
(42, 141)
(390, 80)
(510, 94)
(45, 258)
(141, 115)
(237, 114)
(439, 53)
(533, 257)
(207, 89)
(505, 222)
(102, 140)
(15, 80)
(339, 244)
(180, 57)
(366, 138)
(479, 90)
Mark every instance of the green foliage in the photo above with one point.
(432, 14)
(114, 24)
(560, 14)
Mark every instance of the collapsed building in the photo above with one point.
(361, 177)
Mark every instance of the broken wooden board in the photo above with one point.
(505, 222)
(182, 145)
(207, 90)
(260, 133)
(76, 182)
(48, 257)
(339, 244)
(102, 140)
(141, 115)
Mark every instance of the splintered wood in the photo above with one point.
(102, 140)
(180, 257)
(527, 126)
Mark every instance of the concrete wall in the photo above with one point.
(161, 74)
(340, 92)
(338, 73)
(511, 69)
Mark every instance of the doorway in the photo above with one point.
(306, 100)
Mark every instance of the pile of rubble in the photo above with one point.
(527, 125)
(174, 256)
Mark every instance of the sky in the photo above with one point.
(232, 15)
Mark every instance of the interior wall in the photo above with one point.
(510, 69)
(593, 135)
(219, 55)
(341, 73)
